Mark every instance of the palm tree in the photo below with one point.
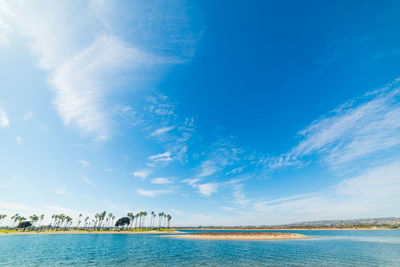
(79, 220)
(86, 221)
(41, 219)
(2, 216)
(96, 217)
(34, 218)
(101, 218)
(52, 219)
(13, 220)
(110, 215)
(160, 215)
(169, 217)
(137, 218)
(131, 217)
(151, 219)
(16, 218)
(140, 218)
(144, 213)
(55, 217)
(61, 219)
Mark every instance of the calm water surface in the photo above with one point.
(331, 248)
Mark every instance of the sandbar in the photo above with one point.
(241, 236)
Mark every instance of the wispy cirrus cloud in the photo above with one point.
(163, 157)
(353, 131)
(374, 192)
(218, 156)
(161, 180)
(142, 174)
(207, 189)
(162, 131)
(165, 126)
(191, 181)
(88, 181)
(79, 83)
(153, 193)
(89, 43)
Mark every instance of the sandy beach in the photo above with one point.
(86, 232)
(242, 236)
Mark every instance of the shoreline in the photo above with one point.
(86, 232)
(279, 229)
(242, 236)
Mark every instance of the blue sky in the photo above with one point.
(217, 112)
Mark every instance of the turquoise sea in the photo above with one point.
(328, 248)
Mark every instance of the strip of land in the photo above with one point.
(3, 233)
(242, 236)
(282, 229)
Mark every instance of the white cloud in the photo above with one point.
(374, 193)
(142, 174)
(161, 180)
(354, 131)
(79, 83)
(208, 167)
(4, 122)
(152, 193)
(162, 131)
(378, 184)
(207, 189)
(191, 181)
(163, 157)
(88, 181)
(219, 155)
(85, 46)
(159, 113)
(19, 141)
(239, 197)
(84, 163)
(108, 169)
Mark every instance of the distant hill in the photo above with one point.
(368, 222)
(389, 222)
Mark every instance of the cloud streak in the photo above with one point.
(88, 44)
(372, 193)
(152, 193)
(142, 174)
(357, 129)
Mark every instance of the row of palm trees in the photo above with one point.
(140, 217)
(100, 220)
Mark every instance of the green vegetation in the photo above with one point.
(100, 222)
(122, 222)
(24, 224)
